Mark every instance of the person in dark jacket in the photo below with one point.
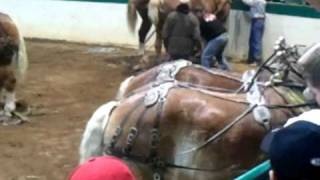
(181, 33)
(216, 38)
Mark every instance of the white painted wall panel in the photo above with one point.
(106, 23)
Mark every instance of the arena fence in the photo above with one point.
(104, 21)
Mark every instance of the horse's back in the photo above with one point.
(8, 28)
(184, 119)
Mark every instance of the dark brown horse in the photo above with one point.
(13, 60)
(155, 12)
(181, 132)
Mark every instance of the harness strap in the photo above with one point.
(217, 73)
(171, 165)
(259, 70)
(210, 88)
(119, 129)
(141, 159)
(208, 92)
(155, 134)
(292, 106)
(133, 133)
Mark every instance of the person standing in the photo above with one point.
(216, 38)
(181, 33)
(258, 15)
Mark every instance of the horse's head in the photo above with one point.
(281, 67)
(310, 64)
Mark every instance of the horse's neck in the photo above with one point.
(168, 5)
(207, 5)
(139, 3)
(277, 96)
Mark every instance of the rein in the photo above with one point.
(217, 73)
(209, 88)
(261, 67)
(240, 117)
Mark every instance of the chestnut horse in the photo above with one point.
(13, 61)
(155, 12)
(173, 131)
(185, 71)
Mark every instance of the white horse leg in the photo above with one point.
(10, 103)
(92, 138)
(153, 10)
(123, 87)
(141, 49)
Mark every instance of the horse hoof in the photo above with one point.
(12, 122)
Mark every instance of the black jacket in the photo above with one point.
(181, 33)
(211, 29)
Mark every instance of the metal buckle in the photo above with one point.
(133, 132)
(155, 138)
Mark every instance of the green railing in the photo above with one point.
(259, 172)
(283, 7)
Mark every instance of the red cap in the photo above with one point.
(102, 168)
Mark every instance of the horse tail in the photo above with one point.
(131, 16)
(123, 87)
(153, 10)
(21, 59)
(92, 138)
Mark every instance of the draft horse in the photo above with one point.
(13, 61)
(184, 71)
(173, 131)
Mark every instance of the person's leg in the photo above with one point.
(224, 65)
(208, 53)
(257, 42)
(251, 43)
(222, 43)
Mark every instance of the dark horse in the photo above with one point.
(155, 12)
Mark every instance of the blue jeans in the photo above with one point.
(214, 52)
(255, 41)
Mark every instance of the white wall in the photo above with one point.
(71, 20)
(106, 23)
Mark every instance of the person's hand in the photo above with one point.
(209, 17)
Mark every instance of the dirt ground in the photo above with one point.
(66, 82)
